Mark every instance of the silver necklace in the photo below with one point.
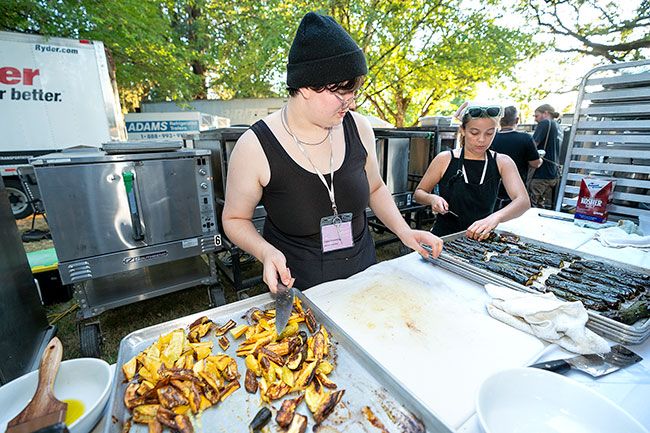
(285, 125)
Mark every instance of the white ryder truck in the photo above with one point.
(54, 93)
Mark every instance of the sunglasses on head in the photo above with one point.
(491, 111)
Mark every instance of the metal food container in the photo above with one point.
(366, 383)
(605, 326)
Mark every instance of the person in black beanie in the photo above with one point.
(313, 165)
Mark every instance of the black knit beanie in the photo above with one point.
(323, 53)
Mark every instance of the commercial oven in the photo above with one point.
(393, 159)
(404, 154)
(130, 226)
(221, 142)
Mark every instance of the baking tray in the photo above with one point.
(365, 381)
(619, 332)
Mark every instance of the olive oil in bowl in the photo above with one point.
(75, 410)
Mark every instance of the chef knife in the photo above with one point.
(594, 365)
(283, 306)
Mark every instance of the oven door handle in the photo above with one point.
(130, 185)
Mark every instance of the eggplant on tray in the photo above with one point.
(175, 378)
(178, 376)
(620, 294)
(292, 362)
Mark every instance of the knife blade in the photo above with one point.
(283, 306)
(594, 365)
(452, 213)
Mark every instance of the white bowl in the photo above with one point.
(531, 400)
(85, 379)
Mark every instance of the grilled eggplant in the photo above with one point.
(328, 405)
(261, 419)
(287, 410)
(298, 424)
(250, 382)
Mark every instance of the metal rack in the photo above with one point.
(610, 137)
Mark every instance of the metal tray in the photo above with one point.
(365, 381)
(617, 331)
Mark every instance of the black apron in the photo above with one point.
(296, 200)
(471, 200)
(310, 266)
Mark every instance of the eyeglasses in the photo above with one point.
(491, 111)
(345, 103)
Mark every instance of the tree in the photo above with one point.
(616, 31)
(139, 35)
(419, 52)
(253, 44)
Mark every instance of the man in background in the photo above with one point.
(547, 137)
(517, 145)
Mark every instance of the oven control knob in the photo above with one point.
(202, 172)
(204, 185)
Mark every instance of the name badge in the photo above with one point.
(336, 232)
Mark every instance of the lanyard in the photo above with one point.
(330, 190)
(484, 167)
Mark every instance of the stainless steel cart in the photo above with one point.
(129, 226)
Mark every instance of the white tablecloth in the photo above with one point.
(629, 388)
(568, 235)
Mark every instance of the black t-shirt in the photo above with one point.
(517, 145)
(548, 170)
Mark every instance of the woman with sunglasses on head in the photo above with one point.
(468, 179)
(313, 165)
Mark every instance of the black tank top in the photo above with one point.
(470, 200)
(295, 200)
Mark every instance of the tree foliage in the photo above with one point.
(616, 31)
(139, 36)
(424, 53)
(421, 53)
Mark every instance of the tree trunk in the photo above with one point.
(194, 14)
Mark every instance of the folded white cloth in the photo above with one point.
(616, 237)
(546, 317)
